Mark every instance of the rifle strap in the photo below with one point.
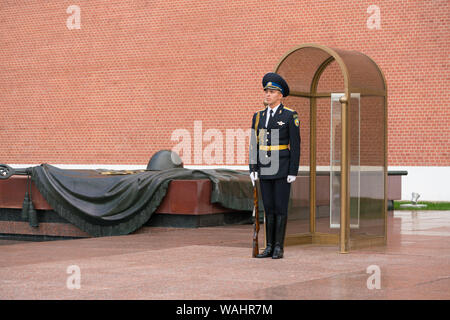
(256, 125)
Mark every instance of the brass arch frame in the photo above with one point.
(313, 95)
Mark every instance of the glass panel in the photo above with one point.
(335, 160)
(355, 171)
(323, 165)
(331, 80)
(298, 218)
(372, 122)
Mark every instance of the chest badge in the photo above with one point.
(280, 123)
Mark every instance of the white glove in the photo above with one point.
(254, 177)
(291, 179)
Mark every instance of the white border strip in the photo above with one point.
(432, 183)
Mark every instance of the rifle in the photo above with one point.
(255, 195)
(256, 223)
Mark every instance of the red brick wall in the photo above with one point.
(113, 91)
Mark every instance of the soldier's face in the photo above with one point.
(272, 97)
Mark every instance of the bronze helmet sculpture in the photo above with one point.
(163, 160)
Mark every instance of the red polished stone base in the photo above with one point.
(183, 197)
(186, 204)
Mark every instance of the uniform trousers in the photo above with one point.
(275, 195)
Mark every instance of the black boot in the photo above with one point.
(270, 226)
(280, 232)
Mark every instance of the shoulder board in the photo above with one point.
(289, 109)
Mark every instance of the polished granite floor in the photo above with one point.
(216, 263)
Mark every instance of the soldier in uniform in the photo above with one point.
(274, 159)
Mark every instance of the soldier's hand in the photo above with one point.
(254, 177)
(291, 179)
